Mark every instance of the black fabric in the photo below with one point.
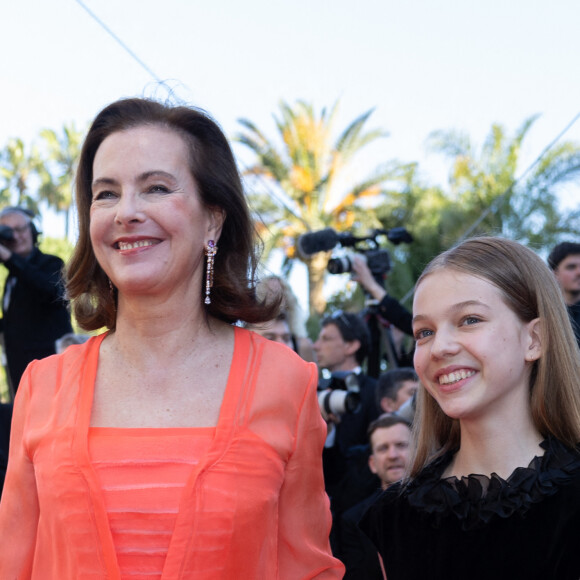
(352, 429)
(393, 311)
(37, 314)
(527, 526)
(5, 422)
(574, 312)
(357, 552)
(347, 477)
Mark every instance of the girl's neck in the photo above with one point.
(488, 449)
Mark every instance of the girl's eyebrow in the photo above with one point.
(454, 308)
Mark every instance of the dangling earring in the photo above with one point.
(210, 252)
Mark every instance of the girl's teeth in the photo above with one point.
(455, 376)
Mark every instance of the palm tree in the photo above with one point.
(62, 152)
(17, 167)
(307, 186)
(490, 198)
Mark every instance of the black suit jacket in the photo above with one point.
(37, 314)
(352, 429)
(346, 474)
(5, 421)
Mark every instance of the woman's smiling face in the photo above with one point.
(148, 225)
(473, 354)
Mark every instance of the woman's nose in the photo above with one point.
(129, 208)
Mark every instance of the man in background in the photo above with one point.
(276, 330)
(35, 313)
(389, 438)
(564, 260)
(342, 348)
(395, 387)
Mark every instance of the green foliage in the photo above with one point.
(484, 196)
(18, 168)
(60, 247)
(57, 169)
(306, 185)
(489, 196)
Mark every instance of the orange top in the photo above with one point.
(253, 508)
(143, 473)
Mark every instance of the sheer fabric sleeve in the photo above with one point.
(304, 509)
(19, 510)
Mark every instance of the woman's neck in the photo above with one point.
(162, 330)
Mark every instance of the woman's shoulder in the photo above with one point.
(273, 354)
(67, 363)
(282, 377)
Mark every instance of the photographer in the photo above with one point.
(35, 313)
(389, 308)
(343, 345)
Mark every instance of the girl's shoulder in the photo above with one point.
(477, 499)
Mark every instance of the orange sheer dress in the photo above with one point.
(253, 507)
(143, 473)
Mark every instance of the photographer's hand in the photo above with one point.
(362, 274)
(5, 253)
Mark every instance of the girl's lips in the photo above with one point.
(455, 375)
(454, 381)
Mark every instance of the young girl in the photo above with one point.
(494, 487)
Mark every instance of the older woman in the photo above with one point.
(175, 445)
(494, 489)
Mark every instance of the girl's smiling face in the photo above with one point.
(473, 354)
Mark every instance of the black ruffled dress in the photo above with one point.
(526, 527)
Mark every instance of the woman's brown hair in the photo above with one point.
(530, 290)
(214, 170)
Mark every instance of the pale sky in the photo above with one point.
(422, 64)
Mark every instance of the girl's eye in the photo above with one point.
(468, 320)
(423, 333)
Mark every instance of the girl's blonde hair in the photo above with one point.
(530, 291)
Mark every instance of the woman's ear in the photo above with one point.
(217, 217)
(534, 349)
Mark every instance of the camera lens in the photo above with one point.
(339, 265)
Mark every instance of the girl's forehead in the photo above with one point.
(449, 285)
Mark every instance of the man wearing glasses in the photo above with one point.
(35, 313)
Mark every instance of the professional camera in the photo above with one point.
(378, 260)
(339, 394)
(6, 234)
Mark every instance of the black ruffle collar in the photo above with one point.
(476, 499)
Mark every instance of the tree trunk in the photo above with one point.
(316, 272)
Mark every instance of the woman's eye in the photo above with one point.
(468, 320)
(100, 195)
(158, 189)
